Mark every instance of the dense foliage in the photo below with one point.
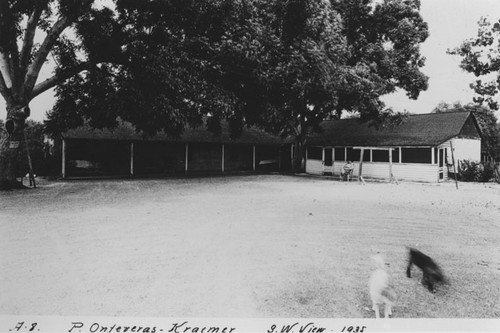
(481, 57)
(471, 171)
(163, 64)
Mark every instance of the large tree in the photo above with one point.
(137, 61)
(282, 65)
(319, 58)
(21, 60)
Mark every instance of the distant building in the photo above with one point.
(420, 149)
(87, 152)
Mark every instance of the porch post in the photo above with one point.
(253, 158)
(222, 164)
(186, 161)
(360, 177)
(63, 167)
(390, 164)
(132, 158)
(432, 155)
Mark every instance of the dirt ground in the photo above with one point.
(245, 246)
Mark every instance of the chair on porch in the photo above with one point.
(346, 171)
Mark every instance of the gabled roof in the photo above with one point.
(429, 129)
(126, 131)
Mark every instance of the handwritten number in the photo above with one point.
(353, 329)
(19, 326)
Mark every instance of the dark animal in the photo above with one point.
(431, 271)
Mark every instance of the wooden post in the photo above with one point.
(131, 158)
(360, 177)
(31, 176)
(390, 164)
(186, 161)
(222, 164)
(63, 167)
(454, 167)
(333, 160)
(253, 158)
(391, 176)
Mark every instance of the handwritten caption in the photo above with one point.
(176, 327)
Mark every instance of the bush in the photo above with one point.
(470, 171)
(488, 173)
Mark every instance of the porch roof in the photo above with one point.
(126, 131)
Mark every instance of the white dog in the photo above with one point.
(380, 290)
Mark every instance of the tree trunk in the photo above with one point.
(298, 156)
(11, 138)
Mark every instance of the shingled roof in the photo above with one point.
(429, 129)
(126, 131)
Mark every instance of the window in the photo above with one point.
(395, 155)
(416, 155)
(366, 155)
(353, 154)
(340, 154)
(315, 153)
(381, 156)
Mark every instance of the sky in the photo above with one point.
(450, 23)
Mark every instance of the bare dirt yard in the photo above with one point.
(245, 246)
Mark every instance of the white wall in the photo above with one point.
(314, 167)
(466, 149)
(379, 170)
(463, 149)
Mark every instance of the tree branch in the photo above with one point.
(5, 70)
(3, 88)
(59, 77)
(41, 57)
(10, 56)
(29, 36)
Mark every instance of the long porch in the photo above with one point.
(425, 164)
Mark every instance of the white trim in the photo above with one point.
(63, 166)
(187, 158)
(132, 158)
(253, 157)
(222, 158)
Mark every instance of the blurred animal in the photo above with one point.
(380, 290)
(430, 270)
